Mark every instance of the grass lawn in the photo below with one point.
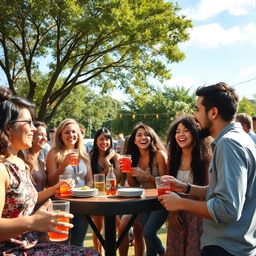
(161, 234)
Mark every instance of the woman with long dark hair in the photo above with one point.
(149, 159)
(37, 163)
(188, 161)
(102, 155)
(18, 195)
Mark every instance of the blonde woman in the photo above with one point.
(68, 136)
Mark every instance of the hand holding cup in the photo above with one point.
(73, 157)
(59, 207)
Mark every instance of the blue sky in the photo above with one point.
(222, 46)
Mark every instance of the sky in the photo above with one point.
(222, 46)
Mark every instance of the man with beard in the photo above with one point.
(229, 209)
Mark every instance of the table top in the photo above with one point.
(114, 205)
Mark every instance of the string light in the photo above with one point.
(134, 116)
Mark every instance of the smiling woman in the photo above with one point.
(18, 195)
(188, 161)
(102, 155)
(68, 137)
(149, 159)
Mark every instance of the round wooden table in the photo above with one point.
(109, 207)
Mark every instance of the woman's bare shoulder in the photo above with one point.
(161, 153)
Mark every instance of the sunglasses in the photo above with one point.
(30, 122)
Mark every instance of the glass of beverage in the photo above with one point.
(59, 206)
(125, 162)
(74, 159)
(65, 188)
(99, 183)
(161, 189)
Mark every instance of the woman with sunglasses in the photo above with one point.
(18, 195)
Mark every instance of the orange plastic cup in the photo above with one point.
(60, 206)
(74, 160)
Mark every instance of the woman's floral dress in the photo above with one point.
(184, 239)
(20, 200)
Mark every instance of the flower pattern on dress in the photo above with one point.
(20, 200)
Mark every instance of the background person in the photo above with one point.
(254, 123)
(120, 143)
(18, 195)
(188, 161)
(68, 136)
(229, 209)
(38, 168)
(247, 124)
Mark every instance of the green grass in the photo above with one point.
(161, 233)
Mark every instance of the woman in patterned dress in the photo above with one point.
(18, 195)
(188, 161)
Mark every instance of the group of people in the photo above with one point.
(209, 162)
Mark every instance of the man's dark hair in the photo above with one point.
(221, 96)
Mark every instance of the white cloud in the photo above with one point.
(186, 82)
(249, 32)
(213, 35)
(247, 73)
(206, 9)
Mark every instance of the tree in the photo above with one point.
(90, 109)
(157, 110)
(114, 43)
(247, 106)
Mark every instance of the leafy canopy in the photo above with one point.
(107, 44)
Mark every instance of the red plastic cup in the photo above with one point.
(161, 189)
(126, 163)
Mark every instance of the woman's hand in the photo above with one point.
(46, 221)
(137, 172)
(110, 156)
(171, 202)
(175, 184)
(67, 159)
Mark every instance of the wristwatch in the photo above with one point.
(188, 188)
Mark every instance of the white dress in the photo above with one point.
(78, 172)
(185, 176)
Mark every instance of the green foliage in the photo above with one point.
(92, 110)
(167, 104)
(106, 44)
(247, 106)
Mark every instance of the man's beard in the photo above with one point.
(203, 133)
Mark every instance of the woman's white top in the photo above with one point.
(78, 172)
(185, 176)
